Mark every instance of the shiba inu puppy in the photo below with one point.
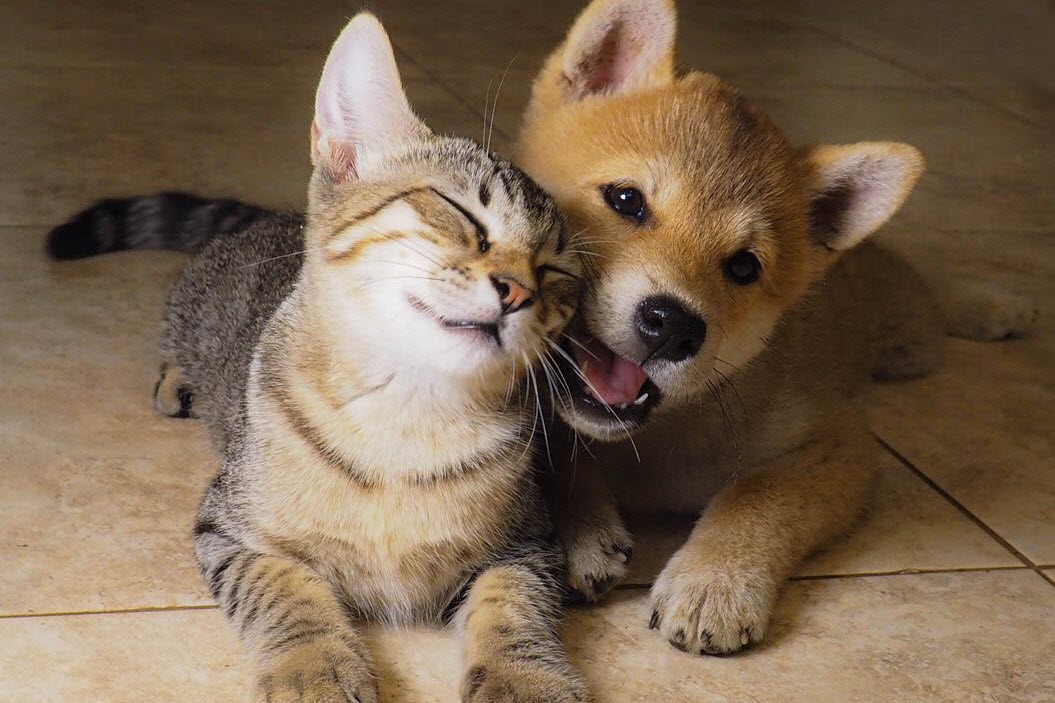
(724, 331)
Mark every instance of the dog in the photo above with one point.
(727, 327)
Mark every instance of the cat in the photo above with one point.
(362, 370)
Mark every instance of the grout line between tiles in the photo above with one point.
(962, 508)
(451, 91)
(867, 574)
(934, 80)
(116, 611)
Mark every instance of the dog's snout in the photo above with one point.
(512, 293)
(668, 330)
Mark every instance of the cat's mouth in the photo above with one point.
(606, 388)
(476, 330)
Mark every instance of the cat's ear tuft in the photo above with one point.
(855, 188)
(360, 105)
(617, 46)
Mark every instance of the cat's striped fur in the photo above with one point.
(360, 369)
(172, 220)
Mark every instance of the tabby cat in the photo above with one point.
(360, 368)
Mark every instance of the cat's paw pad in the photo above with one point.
(171, 396)
(317, 673)
(701, 609)
(598, 558)
(521, 682)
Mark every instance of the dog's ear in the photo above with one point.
(855, 188)
(360, 105)
(617, 46)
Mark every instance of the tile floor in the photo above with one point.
(945, 592)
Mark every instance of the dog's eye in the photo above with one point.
(627, 201)
(743, 267)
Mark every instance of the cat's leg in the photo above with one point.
(588, 524)
(716, 594)
(172, 394)
(304, 646)
(510, 619)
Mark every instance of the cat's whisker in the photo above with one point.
(281, 256)
(397, 278)
(577, 343)
(534, 423)
(403, 263)
(494, 108)
(487, 103)
(395, 240)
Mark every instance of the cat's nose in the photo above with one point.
(512, 293)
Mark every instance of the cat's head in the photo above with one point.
(429, 253)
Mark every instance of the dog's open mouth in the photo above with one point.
(607, 387)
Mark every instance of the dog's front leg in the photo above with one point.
(588, 524)
(716, 594)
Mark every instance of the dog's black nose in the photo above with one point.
(668, 330)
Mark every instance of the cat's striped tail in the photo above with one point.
(174, 221)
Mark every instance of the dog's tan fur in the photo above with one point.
(758, 430)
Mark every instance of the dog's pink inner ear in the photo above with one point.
(857, 188)
(619, 47)
(611, 65)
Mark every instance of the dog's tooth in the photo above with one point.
(622, 407)
(642, 399)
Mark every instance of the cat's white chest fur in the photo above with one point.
(397, 548)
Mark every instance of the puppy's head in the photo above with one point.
(702, 224)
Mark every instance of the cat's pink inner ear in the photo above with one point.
(617, 46)
(360, 105)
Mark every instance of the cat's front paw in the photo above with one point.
(599, 556)
(522, 682)
(703, 607)
(172, 396)
(318, 672)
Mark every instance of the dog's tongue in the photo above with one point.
(614, 380)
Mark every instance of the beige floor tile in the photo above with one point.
(983, 169)
(981, 428)
(74, 134)
(98, 492)
(956, 49)
(908, 528)
(201, 33)
(754, 53)
(936, 637)
(159, 657)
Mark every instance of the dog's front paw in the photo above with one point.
(704, 608)
(318, 672)
(511, 681)
(599, 556)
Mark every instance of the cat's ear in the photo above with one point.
(855, 188)
(617, 46)
(360, 105)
